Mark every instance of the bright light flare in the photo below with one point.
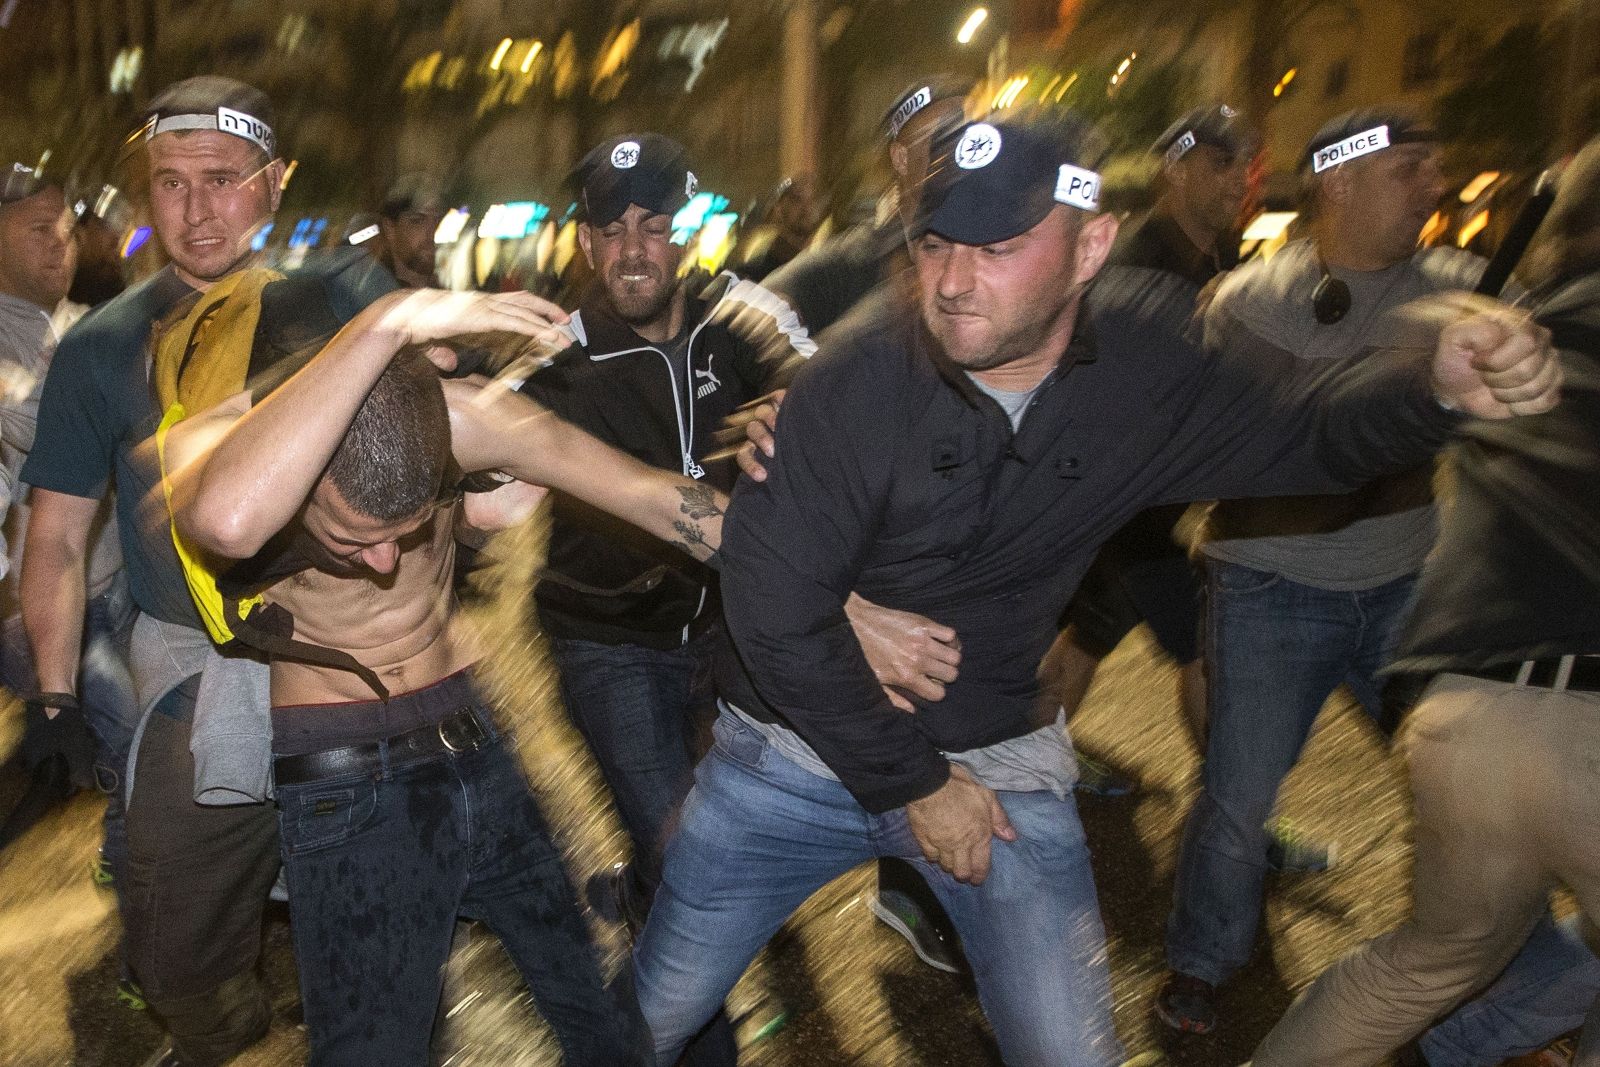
(500, 54)
(450, 226)
(1477, 185)
(1268, 225)
(1472, 228)
(527, 60)
(969, 28)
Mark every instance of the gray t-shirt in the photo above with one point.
(28, 337)
(1015, 405)
(1270, 301)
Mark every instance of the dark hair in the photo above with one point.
(205, 93)
(391, 463)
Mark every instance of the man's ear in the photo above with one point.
(585, 239)
(1337, 184)
(273, 176)
(1095, 239)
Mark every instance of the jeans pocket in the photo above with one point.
(739, 741)
(1234, 578)
(320, 815)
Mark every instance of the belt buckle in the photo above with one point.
(471, 727)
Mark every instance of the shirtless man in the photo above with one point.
(335, 492)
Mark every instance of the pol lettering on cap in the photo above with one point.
(1078, 188)
(1354, 147)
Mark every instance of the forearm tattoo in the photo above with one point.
(699, 503)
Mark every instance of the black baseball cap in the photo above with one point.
(1217, 125)
(413, 192)
(990, 181)
(1359, 133)
(637, 168)
(211, 102)
(922, 94)
(20, 181)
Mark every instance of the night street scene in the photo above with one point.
(785, 533)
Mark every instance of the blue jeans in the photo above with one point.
(759, 835)
(106, 695)
(636, 709)
(379, 867)
(1544, 993)
(1275, 650)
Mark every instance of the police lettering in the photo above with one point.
(247, 126)
(1350, 148)
(1078, 187)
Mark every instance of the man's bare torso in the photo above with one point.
(403, 625)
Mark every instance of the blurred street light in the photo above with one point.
(500, 54)
(969, 28)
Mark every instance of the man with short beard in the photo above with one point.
(657, 363)
(407, 220)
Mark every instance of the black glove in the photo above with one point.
(64, 734)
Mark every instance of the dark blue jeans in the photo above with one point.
(1275, 650)
(379, 868)
(761, 834)
(637, 709)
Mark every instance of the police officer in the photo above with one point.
(1143, 575)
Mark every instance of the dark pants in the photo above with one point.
(198, 880)
(381, 864)
(640, 710)
(637, 709)
(1275, 650)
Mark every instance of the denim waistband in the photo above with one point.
(298, 729)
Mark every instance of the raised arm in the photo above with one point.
(493, 427)
(240, 473)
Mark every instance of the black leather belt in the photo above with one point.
(1584, 674)
(460, 731)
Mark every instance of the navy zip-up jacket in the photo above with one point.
(896, 478)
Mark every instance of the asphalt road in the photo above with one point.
(834, 987)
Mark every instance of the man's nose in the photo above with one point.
(381, 559)
(955, 278)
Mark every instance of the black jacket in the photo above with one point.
(1157, 242)
(1516, 572)
(897, 479)
(606, 580)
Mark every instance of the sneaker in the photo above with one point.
(608, 892)
(1187, 1004)
(130, 996)
(1561, 1052)
(1292, 850)
(900, 913)
(165, 1056)
(1099, 779)
(100, 870)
